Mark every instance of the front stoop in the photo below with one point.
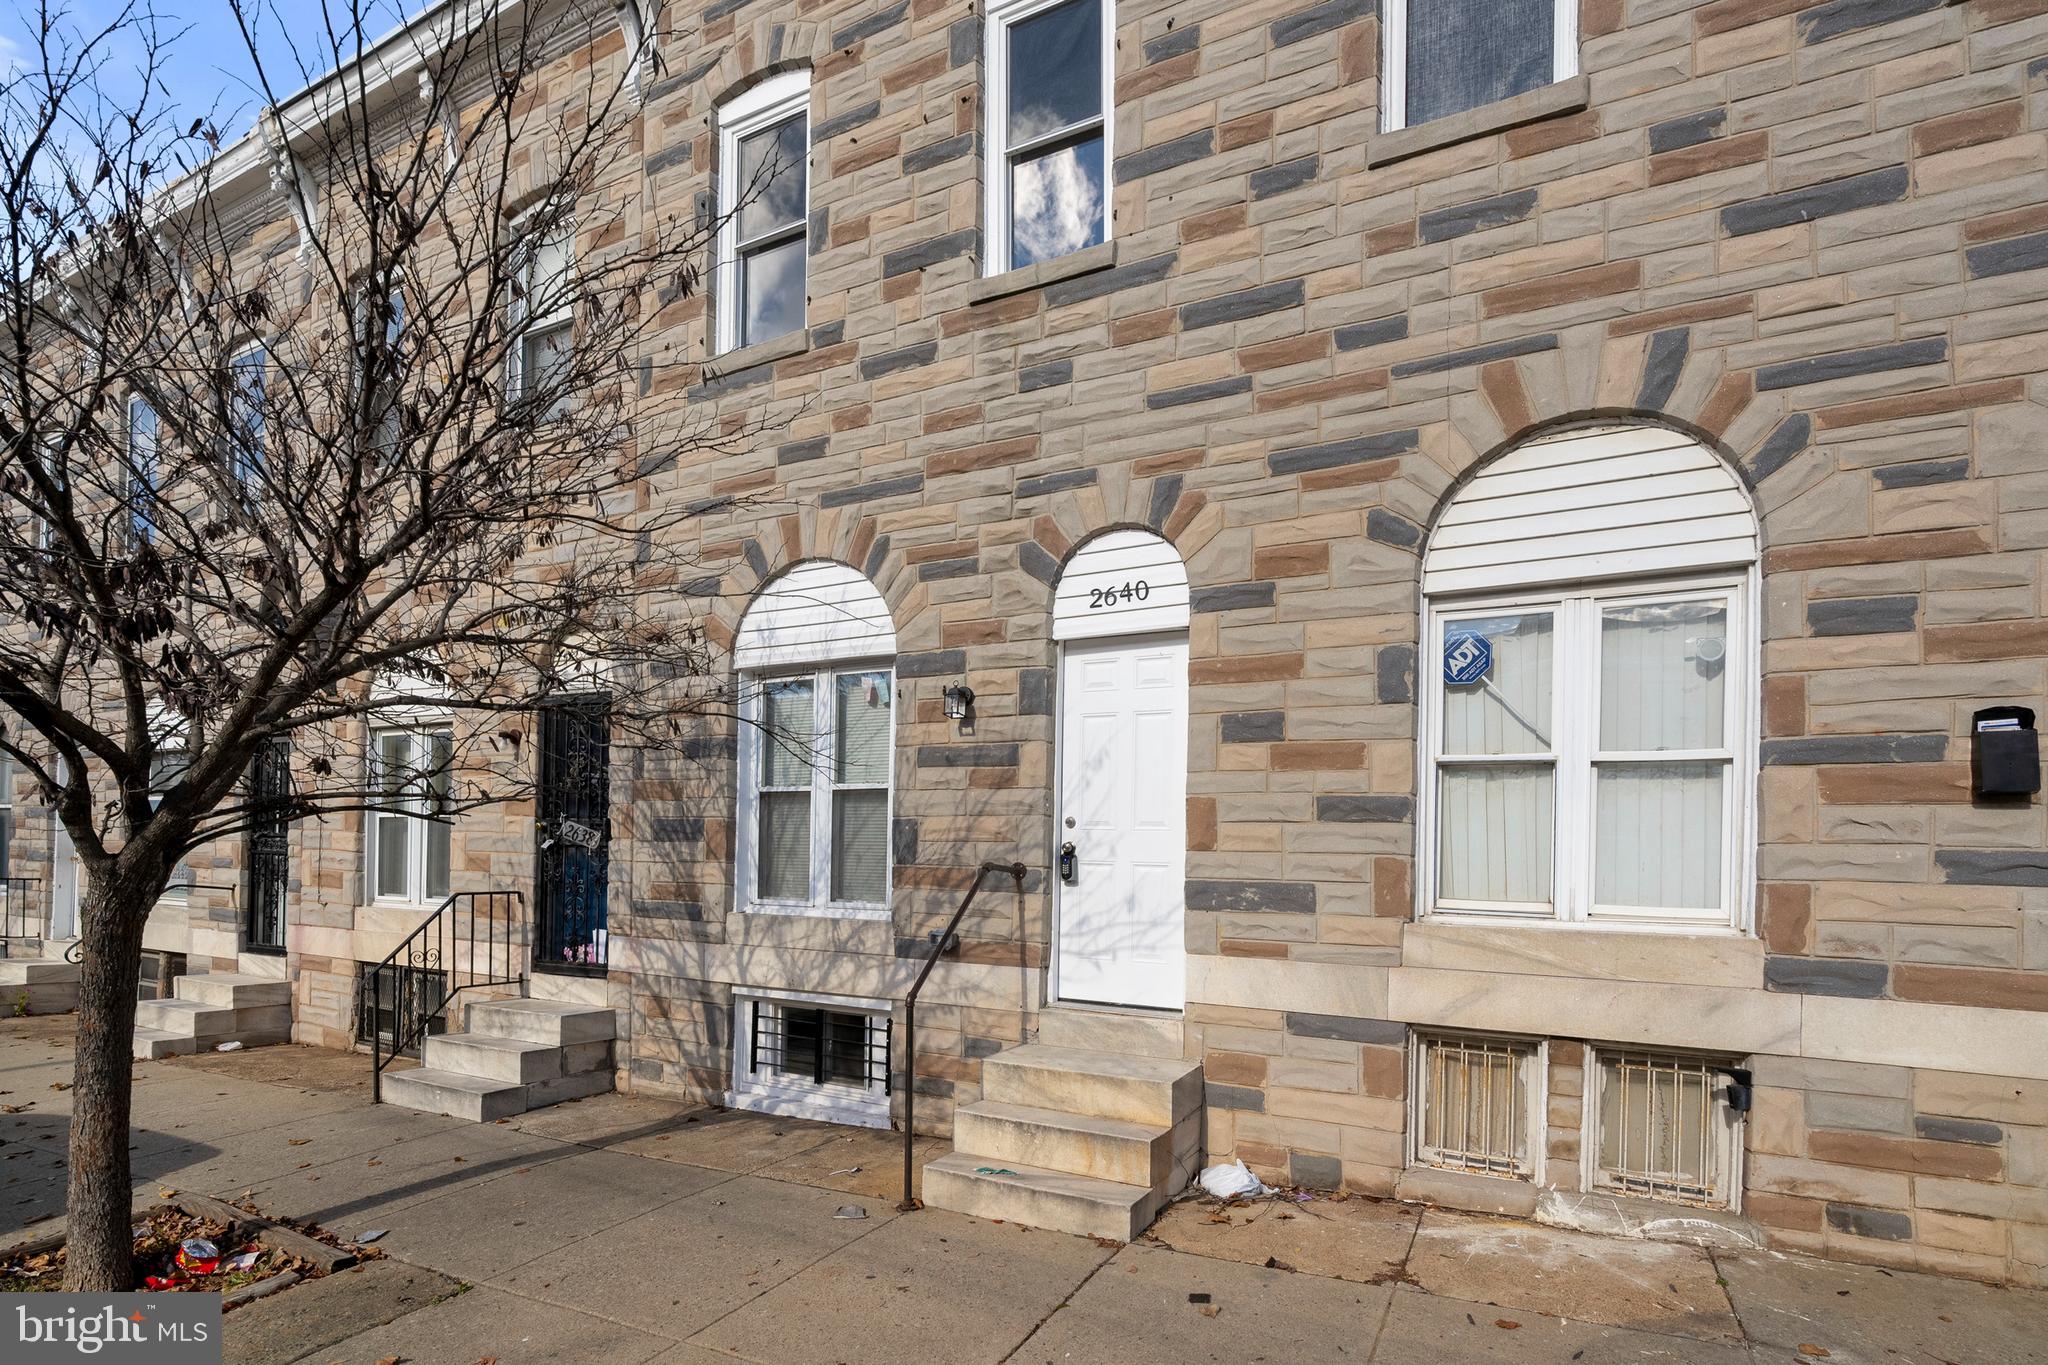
(38, 985)
(212, 1008)
(518, 1055)
(1076, 1139)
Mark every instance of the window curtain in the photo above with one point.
(1496, 819)
(789, 733)
(860, 799)
(1466, 53)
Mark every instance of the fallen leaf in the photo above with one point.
(296, 1142)
(1807, 1348)
(1505, 1324)
(60, 1085)
(1210, 1310)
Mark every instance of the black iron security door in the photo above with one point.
(573, 828)
(270, 790)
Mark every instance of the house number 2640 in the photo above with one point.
(1135, 591)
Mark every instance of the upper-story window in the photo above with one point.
(245, 416)
(1049, 96)
(815, 653)
(142, 469)
(763, 210)
(380, 318)
(1442, 57)
(542, 312)
(1588, 687)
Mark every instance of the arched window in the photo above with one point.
(817, 688)
(1588, 686)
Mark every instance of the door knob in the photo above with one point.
(1067, 862)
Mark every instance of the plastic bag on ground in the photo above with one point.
(1232, 1181)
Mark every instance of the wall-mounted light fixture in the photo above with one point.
(959, 697)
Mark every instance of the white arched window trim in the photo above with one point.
(815, 655)
(1613, 572)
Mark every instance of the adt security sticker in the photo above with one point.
(1468, 657)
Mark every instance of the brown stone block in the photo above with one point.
(1871, 784)
(1787, 917)
(1316, 755)
(1547, 135)
(1384, 241)
(1704, 158)
(1291, 561)
(1385, 1072)
(987, 456)
(1723, 16)
(1272, 355)
(1829, 554)
(1785, 705)
(1184, 513)
(1350, 476)
(1988, 640)
(1679, 315)
(1141, 327)
(1243, 132)
(853, 418)
(916, 73)
(1598, 18)
(1244, 947)
(821, 358)
(1728, 401)
(1156, 77)
(952, 419)
(957, 634)
(1569, 287)
(1234, 1068)
(1989, 986)
(1924, 404)
(2011, 223)
(1201, 227)
(1786, 1212)
(1202, 824)
(1171, 462)
(994, 313)
(950, 549)
(1392, 895)
(1321, 390)
(1501, 385)
(1917, 1155)
(851, 231)
(1968, 127)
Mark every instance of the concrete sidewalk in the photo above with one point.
(631, 1230)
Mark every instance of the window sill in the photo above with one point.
(760, 353)
(863, 912)
(1086, 261)
(825, 1104)
(1533, 106)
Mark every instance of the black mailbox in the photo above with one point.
(2005, 751)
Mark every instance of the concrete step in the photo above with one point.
(232, 990)
(1106, 1149)
(1040, 1198)
(37, 971)
(1159, 1091)
(195, 1020)
(542, 1021)
(152, 1043)
(1134, 1035)
(491, 1058)
(434, 1091)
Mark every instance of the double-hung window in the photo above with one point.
(142, 470)
(1584, 751)
(409, 784)
(543, 316)
(245, 416)
(816, 798)
(1050, 92)
(167, 770)
(763, 210)
(1442, 57)
(380, 333)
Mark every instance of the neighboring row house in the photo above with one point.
(1462, 544)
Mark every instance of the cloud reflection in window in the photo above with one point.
(1056, 203)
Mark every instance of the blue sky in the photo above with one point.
(209, 68)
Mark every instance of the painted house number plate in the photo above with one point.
(1468, 657)
(579, 835)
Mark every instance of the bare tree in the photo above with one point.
(365, 405)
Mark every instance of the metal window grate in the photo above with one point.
(820, 1046)
(1663, 1134)
(1475, 1105)
(380, 1012)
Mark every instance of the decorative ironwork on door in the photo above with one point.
(270, 791)
(573, 828)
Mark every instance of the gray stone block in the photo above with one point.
(1900, 355)
(1288, 898)
(1254, 727)
(1394, 675)
(936, 663)
(940, 152)
(902, 358)
(965, 242)
(1041, 485)
(1662, 366)
(1477, 355)
(1921, 473)
(1315, 1172)
(1230, 597)
(1859, 1221)
(1862, 615)
(1165, 156)
(2008, 257)
(1786, 440)
(1173, 43)
(1441, 225)
(1319, 19)
(1826, 976)
(1836, 17)
(1245, 303)
(1097, 283)
(1360, 335)
(1199, 393)
(1688, 131)
(799, 452)
(1885, 186)
(1939, 1129)
(1365, 810)
(1334, 454)
(869, 492)
(1391, 528)
(1814, 749)
(966, 755)
(824, 130)
(870, 26)
(1165, 494)
(1345, 1029)
(1049, 375)
(1288, 175)
(1992, 867)
(1234, 1097)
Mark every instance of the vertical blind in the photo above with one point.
(1497, 825)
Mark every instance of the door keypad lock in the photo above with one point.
(1068, 861)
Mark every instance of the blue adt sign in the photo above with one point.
(1468, 657)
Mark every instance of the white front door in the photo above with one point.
(63, 884)
(1123, 762)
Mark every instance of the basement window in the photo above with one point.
(378, 1012)
(1478, 1103)
(1665, 1132)
(159, 975)
(812, 1057)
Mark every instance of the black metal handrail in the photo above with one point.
(940, 943)
(445, 956)
(21, 915)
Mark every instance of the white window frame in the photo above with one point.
(6, 823)
(144, 474)
(767, 104)
(246, 461)
(393, 291)
(1728, 1126)
(1535, 1084)
(995, 235)
(863, 1106)
(421, 729)
(1564, 44)
(561, 317)
(753, 739)
(1575, 700)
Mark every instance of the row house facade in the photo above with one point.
(1488, 560)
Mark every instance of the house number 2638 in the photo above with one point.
(1134, 591)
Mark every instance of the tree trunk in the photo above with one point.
(99, 1252)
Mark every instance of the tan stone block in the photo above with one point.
(1808, 1179)
(1777, 1122)
(1915, 1155)
(1960, 1232)
(1995, 1099)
